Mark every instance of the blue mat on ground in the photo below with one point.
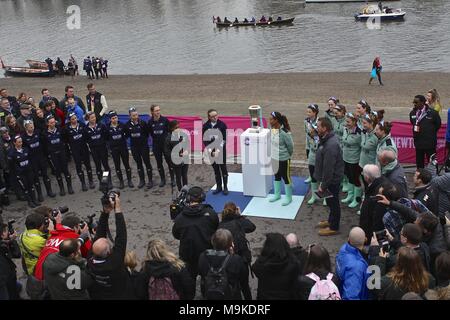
(259, 207)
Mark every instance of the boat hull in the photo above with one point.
(255, 24)
(27, 72)
(387, 17)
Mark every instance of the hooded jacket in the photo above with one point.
(395, 173)
(351, 145)
(182, 282)
(276, 277)
(31, 243)
(442, 185)
(429, 196)
(329, 166)
(385, 143)
(59, 270)
(351, 268)
(194, 227)
(371, 218)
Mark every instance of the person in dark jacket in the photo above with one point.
(59, 271)
(276, 269)
(297, 250)
(12, 107)
(9, 249)
(138, 132)
(162, 263)
(392, 170)
(222, 254)
(215, 139)
(46, 97)
(408, 275)
(96, 102)
(70, 93)
(426, 124)
(372, 213)
(318, 262)
(238, 225)
(176, 150)
(329, 172)
(425, 192)
(442, 186)
(107, 264)
(60, 66)
(158, 126)
(194, 227)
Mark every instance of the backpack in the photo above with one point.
(217, 286)
(240, 241)
(161, 289)
(323, 289)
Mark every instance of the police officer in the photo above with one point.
(117, 140)
(138, 132)
(159, 127)
(215, 139)
(20, 166)
(74, 133)
(96, 135)
(55, 150)
(32, 141)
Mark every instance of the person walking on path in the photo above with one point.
(376, 71)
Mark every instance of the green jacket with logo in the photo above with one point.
(351, 142)
(369, 143)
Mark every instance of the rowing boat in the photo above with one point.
(256, 23)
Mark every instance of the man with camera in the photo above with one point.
(71, 227)
(107, 266)
(384, 246)
(65, 273)
(9, 249)
(194, 227)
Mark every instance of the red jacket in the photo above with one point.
(52, 245)
(60, 115)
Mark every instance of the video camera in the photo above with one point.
(61, 210)
(104, 188)
(179, 203)
(383, 240)
(11, 226)
(92, 225)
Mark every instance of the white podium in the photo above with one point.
(256, 162)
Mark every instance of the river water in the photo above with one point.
(178, 36)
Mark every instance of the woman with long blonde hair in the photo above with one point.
(164, 275)
(434, 100)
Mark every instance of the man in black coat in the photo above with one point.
(300, 253)
(9, 249)
(194, 227)
(425, 192)
(107, 266)
(371, 218)
(426, 124)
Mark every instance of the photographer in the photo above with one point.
(107, 264)
(410, 236)
(69, 228)
(424, 191)
(58, 268)
(9, 249)
(33, 240)
(194, 227)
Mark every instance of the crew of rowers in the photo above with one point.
(253, 20)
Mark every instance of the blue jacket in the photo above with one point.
(351, 268)
(447, 136)
(78, 111)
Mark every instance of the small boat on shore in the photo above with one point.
(386, 15)
(256, 23)
(343, 1)
(25, 71)
(35, 64)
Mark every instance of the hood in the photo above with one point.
(327, 137)
(158, 269)
(197, 210)
(55, 263)
(389, 167)
(274, 264)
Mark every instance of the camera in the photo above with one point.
(104, 188)
(179, 203)
(11, 226)
(376, 198)
(90, 223)
(382, 240)
(61, 210)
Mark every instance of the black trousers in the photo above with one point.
(121, 153)
(181, 175)
(100, 156)
(420, 156)
(311, 173)
(142, 154)
(59, 160)
(353, 171)
(81, 156)
(39, 165)
(26, 181)
(220, 167)
(158, 151)
(284, 170)
(447, 161)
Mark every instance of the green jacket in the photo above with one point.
(369, 143)
(383, 144)
(351, 142)
(31, 243)
(282, 144)
(339, 127)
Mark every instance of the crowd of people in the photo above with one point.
(404, 237)
(95, 67)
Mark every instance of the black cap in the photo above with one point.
(196, 192)
(112, 114)
(24, 106)
(50, 116)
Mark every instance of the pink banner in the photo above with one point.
(402, 134)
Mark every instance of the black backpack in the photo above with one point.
(217, 286)
(241, 243)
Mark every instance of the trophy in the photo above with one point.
(256, 117)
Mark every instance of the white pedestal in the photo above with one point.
(256, 162)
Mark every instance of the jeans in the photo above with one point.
(335, 207)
